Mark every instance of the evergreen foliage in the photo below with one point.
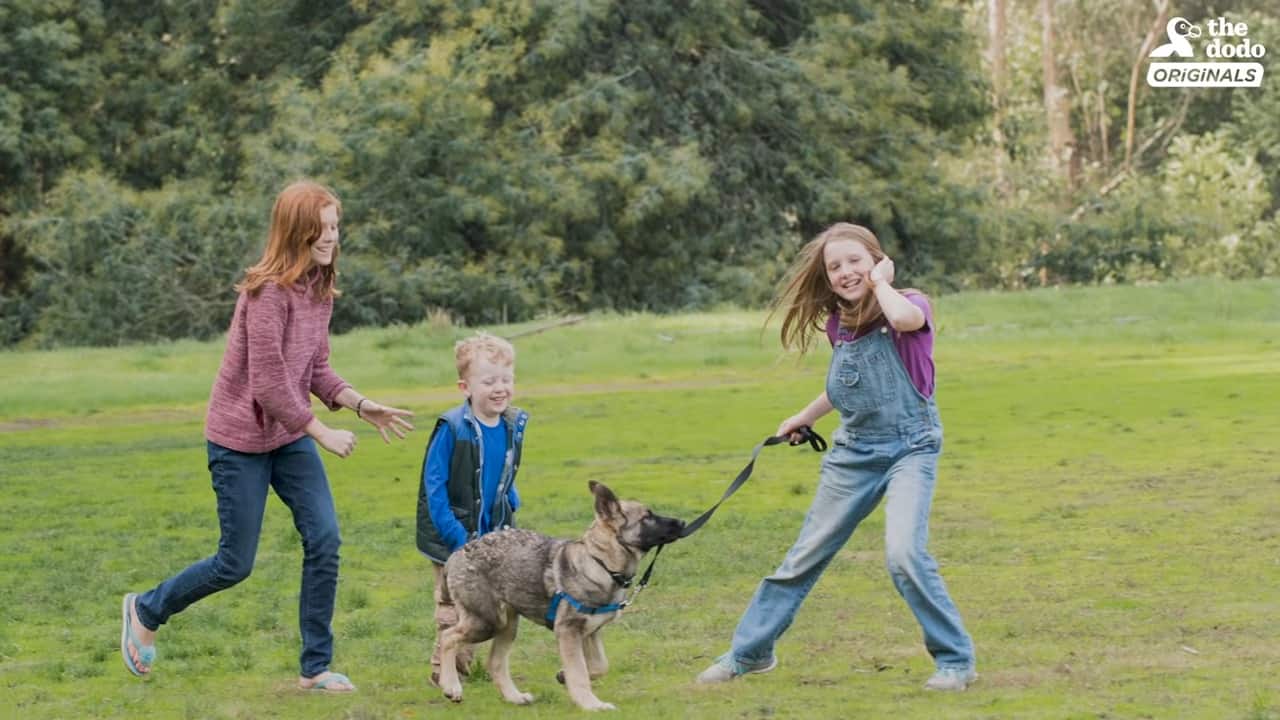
(505, 159)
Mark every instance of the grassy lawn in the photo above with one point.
(1106, 519)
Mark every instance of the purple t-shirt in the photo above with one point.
(915, 347)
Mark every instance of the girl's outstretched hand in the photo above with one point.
(882, 272)
(385, 419)
(339, 442)
(790, 428)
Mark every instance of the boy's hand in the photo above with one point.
(385, 418)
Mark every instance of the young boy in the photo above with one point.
(468, 474)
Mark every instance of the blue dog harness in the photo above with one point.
(623, 581)
(584, 609)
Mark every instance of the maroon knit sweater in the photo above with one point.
(277, 353)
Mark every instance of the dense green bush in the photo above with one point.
(116, 265)
(1202, 213)
(507, 159)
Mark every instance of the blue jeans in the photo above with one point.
(852, 482)
(240, 481)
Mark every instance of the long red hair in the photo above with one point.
(806, 299)
(295, 226)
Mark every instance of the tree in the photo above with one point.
(1148, 43)
(1062, 143)
(998, 67)
(49, 78)
(638, 156)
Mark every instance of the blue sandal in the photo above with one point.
(146, 653)
(330, 677)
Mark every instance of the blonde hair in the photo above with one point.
(494, 349)
(295, 225)
(806, 299)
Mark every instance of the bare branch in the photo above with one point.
(1148, 43)
(1166, 130)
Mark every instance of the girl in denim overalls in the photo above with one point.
(887, 446)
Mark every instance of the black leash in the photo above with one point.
(808, 435)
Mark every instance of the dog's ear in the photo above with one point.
(607, 504)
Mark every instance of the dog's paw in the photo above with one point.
(520, 698)
(453, 692)
(602, 706)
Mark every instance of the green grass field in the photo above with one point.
(1106, 519)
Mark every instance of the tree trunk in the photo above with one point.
(999, 73)
(1149, 42)
(1104, 140)
(1057, 108)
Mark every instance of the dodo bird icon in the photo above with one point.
(1178, 29)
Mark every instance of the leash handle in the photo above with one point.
(811, 436)
(808, 434)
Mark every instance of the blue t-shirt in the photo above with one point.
(436, 478)
(494, 440)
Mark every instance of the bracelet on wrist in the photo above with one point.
(358, 406)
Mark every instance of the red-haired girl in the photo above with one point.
(261, 434)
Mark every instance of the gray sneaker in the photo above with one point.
(725, 668)
(951, 679)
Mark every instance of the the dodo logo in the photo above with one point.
(1227, 40)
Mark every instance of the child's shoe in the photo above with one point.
(951, 679)
(726, 668)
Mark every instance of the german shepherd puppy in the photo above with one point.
(500, 576)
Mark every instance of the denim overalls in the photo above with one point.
(887, 445)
